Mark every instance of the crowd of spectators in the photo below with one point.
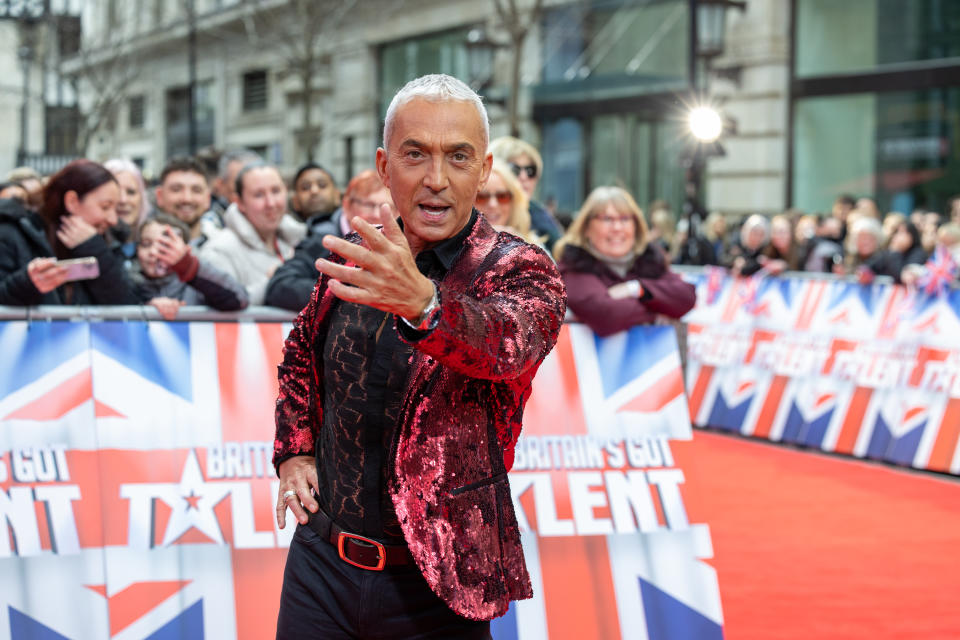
(854, 240)
(227, 231)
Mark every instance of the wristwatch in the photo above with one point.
(430, 316)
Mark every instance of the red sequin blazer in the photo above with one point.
(502, 304)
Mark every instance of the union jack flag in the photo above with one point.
(649, 583)
(941, 271)
(111, 430)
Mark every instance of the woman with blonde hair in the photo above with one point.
(504, 203)
(615, 276)
(525, 162)
(133, 207)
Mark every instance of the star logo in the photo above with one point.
(192, 503)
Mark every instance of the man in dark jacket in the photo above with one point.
(315, 194)
(294, 280)
(402, 391)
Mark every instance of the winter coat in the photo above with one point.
(23, 238)
(588, 280)
(294, 280)
(239, 251)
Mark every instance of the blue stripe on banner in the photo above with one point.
(31, 350)
(905, 447)
(794, 426)
(669, 619)
(798, 430)
(788, 289)
(505, 627)
(817, 430)
(23, 627)
(723, 416)
(155, 350)
(635, 352)
(869, 296)
(838, 293)
(879, 440)
(186, 626)
(953, 298)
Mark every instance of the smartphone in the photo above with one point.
(81, 268)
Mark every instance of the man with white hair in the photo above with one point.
(401, 395)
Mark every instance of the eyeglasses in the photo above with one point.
(530, 169)
(609, 221)
(370, 205)
(503, 197)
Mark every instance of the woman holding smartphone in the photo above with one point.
(79, 206)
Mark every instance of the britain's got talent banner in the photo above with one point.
(864, 370)
(137, 496)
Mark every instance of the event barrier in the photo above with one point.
(138, 495)
(864, 370)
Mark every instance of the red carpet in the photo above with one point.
(813, 546)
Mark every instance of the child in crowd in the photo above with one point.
(167, 275)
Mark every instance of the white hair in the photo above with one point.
(436, 87)
(122, 165)
(868, 225)
(755, 221)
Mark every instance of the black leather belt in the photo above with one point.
(358, 550)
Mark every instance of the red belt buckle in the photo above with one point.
(381, 552)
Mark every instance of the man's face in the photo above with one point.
(264, 199)
(435, 161)
(184, 194)
(315, 193)
(367, 208)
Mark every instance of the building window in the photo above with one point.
(875, 103)
(113, 15)
(612, 70)
(255, 90)
(137, 111)
(899, 147)
(62, 126)
(403, 61)
(615, 47)
(178, 119)
(868, 35)
(68, 35)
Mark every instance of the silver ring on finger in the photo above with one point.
(288, 493)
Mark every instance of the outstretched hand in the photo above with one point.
(380, 273)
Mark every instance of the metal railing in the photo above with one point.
(142, 313)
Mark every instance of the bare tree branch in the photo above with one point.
(104, 81)
(298, 29)
(512, 20)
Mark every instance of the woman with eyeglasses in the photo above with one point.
(503, 203)
(527, 165)
(616, 278)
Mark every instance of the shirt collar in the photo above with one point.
(447, 250)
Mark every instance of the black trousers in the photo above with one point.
(325, 598)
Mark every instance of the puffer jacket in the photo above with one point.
(239, 251)
(22, 238)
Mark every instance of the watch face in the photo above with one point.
(431, 314)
